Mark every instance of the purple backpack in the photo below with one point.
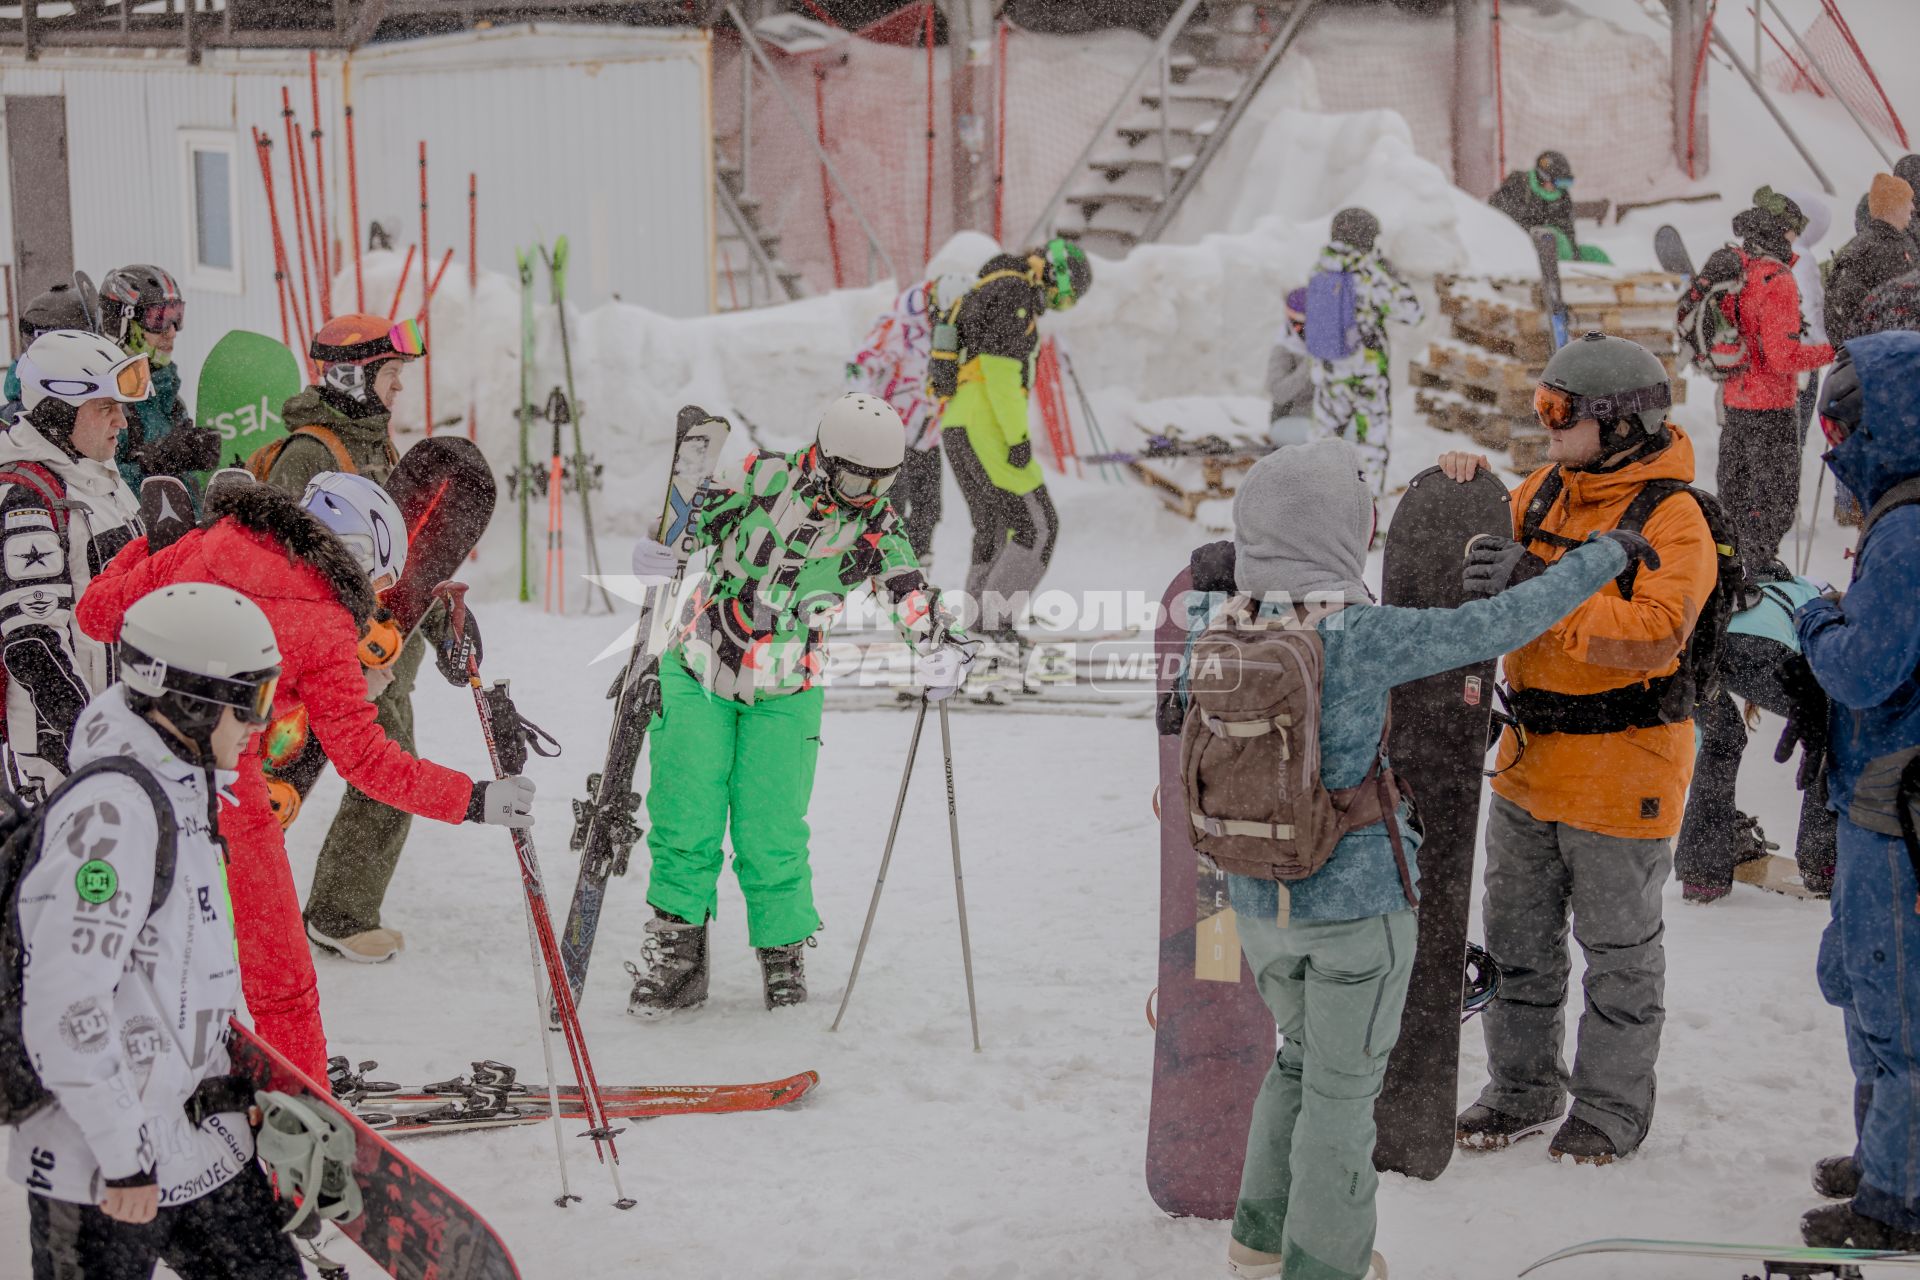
(1333, 315)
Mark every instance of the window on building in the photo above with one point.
(213, 234)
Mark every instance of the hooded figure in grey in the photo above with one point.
(1302, 522)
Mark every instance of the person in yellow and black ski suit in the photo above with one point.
(983, 360)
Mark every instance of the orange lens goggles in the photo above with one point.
(1553, 407)
(134, 379)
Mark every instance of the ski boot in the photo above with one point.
(1481, 1128)
(1586, 1144)
(1248, 1263)
(672, 973)
(1045, 664)
(1837, 1226)
(783, 974)
(1836, 1177)
(997, 677)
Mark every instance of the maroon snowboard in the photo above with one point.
(1213, 1037)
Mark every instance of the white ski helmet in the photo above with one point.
(73, 367)
(366, 518)
(943, 291)
(194, 648)
(862, 443)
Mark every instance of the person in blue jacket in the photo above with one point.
(1334, 972)
(1716, 837)
(1863, 650)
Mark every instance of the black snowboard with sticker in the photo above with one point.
(1438, 747)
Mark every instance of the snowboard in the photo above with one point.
(1777, 1259)
(244, 381)
(1214, 1038)
(1775, 874)
(1671, 252)
(445, 492)
(1438, 745)
(604, 827)
(1547, 248)
(412, 1227)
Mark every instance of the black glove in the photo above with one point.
(185, 448)
(1496, 563)
(449, 650)
(1807, 718)
(1021, 454)
(1638, 549)
(1213, 567)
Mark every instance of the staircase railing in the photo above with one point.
(1129, 96)
(760, 263)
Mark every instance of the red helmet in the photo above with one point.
(361, 339)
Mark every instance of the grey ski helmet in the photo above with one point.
(1356, 228)
(60, 307)
(862, 443)
(1613, 379)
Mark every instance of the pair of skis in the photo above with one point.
(578, 471)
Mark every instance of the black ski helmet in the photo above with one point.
(1840, 398)
(1066, 273)
(1356, 228)
(60, 307)
(1553, 167)
(1615, 380)
(127, 290)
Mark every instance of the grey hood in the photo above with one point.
(1301, 523)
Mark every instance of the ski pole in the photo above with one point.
(546, 1052)
(293, 206)
(886, 859)
(400, 289)
(1813, 520)
(959, 887)
(426, 297)
(556, 597)
(325, 244)
(353, 183)
(525, 472)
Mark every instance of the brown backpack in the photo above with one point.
(1250, 752)
(260, 461)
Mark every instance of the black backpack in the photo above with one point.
(21, 1091)
(1708, 317)
(1669, 699)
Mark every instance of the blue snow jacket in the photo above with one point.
(1865, 650)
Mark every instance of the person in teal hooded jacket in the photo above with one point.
(141, 309)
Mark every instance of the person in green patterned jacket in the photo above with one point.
(739, 726)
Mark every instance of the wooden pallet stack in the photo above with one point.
(1480, 381)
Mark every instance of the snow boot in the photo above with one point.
(1249, 1263)
(783, 973)
(672, 973)
(1836, 1177)
(1481, 1128)
(1586, 1144)
(1837, 1226)
(370, 946)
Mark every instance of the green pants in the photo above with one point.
(719, 763)
(363, 845)
(1336, 989)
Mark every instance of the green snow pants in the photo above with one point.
(1336, 989)
(363, 845)
(717, 763)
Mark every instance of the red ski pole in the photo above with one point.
(261, 145)
(426, 293)
(324, 243)
(293, 203)
(473, 293)
(399, 290)
(353, 184)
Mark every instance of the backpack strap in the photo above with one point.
(1536, 513)
(41, 479)
(1904, 494)
(331, 438)
(1634, 520)
(167, 847)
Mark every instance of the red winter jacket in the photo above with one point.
(1770, 323)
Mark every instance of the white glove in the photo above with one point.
(653, 563)
(944, 671)
(378, 678)
(507, 802)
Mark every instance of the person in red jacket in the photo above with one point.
(261, 543)
(1759, 473)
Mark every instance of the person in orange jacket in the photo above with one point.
(1590, 791)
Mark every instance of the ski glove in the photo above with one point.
(505, 802)
(449, 650)
(944, 671)
(1495, 563)
(1807, 719)
(654, 563)
(1638, 549)
(186, 448)
(1020, 454)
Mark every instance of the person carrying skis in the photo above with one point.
(739, 728)
(1332, 952)
(344, 424)
(141, 309)
(1588, 796)
(1541, 199)
(286, 558)
(1859, 653)
(1883, 251)
(143, 1152)
(1354, 292)
(1759, 467)
(58, 308)
(984, 374)
(66, 513)
(892, 364)
(1716, 837)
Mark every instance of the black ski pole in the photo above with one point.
(886, 859)
(959, 885)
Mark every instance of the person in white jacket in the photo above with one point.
(144, 1153)
(64, 512)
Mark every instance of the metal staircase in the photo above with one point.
(748, 269)
(1170, 121)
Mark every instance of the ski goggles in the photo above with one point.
(859, 486)
(1563, 184)
(156, 316)
(404, 339)
(1557, 409)
(129, 381)
(1060, 295)
(250, 694)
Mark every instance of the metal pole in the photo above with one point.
(1726, 46)
(546, 1051)
(873, 907)
(959, 885)
(1820, 71)
(1166, 126)
(1476, 143)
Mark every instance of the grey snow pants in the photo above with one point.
(1538, 872)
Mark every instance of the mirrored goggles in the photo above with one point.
(250, 695)
(859, 486)
(1558, 409)
(162, 315)
(407, 338)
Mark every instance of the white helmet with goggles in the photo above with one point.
(191, 650)
(862, 443)
(73, 367)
